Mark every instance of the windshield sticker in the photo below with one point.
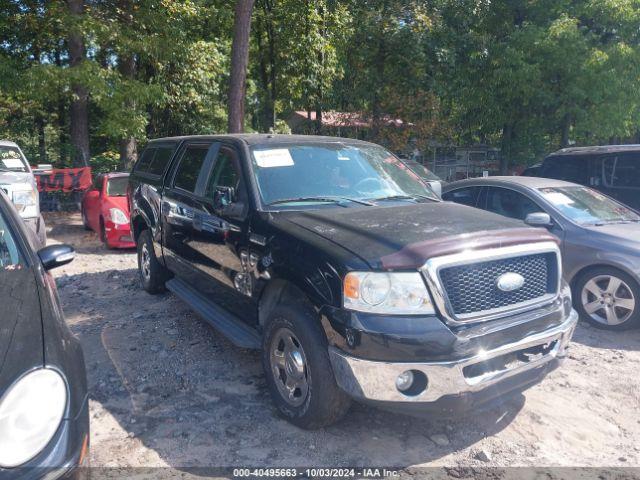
(558, 198)
(12, 163)
(279, 157)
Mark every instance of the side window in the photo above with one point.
(510, 203)
(145, 160)
(161, 160)
(622, 171)
(465, 196)
(225, 172)
(191, 162)
(568, 168)
(9, 255)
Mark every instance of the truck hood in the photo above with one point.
(10, 178)
(406, 236)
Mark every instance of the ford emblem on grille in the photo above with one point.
(510, 282)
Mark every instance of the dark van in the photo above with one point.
(613, 170)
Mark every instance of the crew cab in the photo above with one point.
(348, 273)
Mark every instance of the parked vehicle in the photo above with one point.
(105, 210)
(599, 239)
(612, 169)
(18, 182)
(44, 419)
(348, 272)
(532, 170)
(434, 181)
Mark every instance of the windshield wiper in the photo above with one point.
(403, 197)
(322, 199)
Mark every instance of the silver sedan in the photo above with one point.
(599, 238)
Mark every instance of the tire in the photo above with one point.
(152, 274)
(103, 236)
(321, 402)
(85, 222)
(608, 298)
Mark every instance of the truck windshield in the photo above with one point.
(299, 173)
(588, 207)
(12, 160)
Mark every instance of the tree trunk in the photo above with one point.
(239, 62)
(505, 153)
(80, 103)
(566, 131)
(128, 144)
(42, 145)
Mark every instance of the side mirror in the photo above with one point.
(223, 197)
(55, 256)
(539, 219)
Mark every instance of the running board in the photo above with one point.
(238, 332)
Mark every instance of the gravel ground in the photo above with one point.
(167, 390)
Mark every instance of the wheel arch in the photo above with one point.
(277, 291)
(613, 266)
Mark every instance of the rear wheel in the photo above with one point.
(298, 370)
(152, 274)
(608, 299)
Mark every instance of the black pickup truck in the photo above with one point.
(347, 271)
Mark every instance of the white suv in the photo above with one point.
(18, 182)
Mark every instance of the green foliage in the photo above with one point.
(522, 75)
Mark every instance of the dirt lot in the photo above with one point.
(166, 390)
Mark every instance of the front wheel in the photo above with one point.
(152, 274)
(298, 370)
(608, 299)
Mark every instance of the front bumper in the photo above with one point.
(118, 236)
(512, 365)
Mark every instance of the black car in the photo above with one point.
(348, 273)
(44, 420)
(611, 169)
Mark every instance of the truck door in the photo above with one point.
(220, 237)
(179, 204)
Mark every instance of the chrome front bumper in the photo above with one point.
(372, 380)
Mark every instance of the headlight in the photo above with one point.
(118, 216)
(30, 413)
(390, 293)
(25, 202)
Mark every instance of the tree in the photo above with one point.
(80, 102)
(239, 62)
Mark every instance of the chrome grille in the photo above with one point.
(464, 286)
(472, 288)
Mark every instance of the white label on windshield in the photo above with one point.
(12, 163)
(558, 198)
(279, 157)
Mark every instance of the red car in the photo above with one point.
(105, 210)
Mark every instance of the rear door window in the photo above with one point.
(569, 168)
(465, 196)
(190, 167)
(161, 160)
(145, 159)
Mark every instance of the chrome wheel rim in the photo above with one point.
(608, 300)
(145, 262)
(289, 367)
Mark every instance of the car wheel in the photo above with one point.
(103, 235)
(298, 370)
(85, 222)
(152, 274)
(608, 299)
